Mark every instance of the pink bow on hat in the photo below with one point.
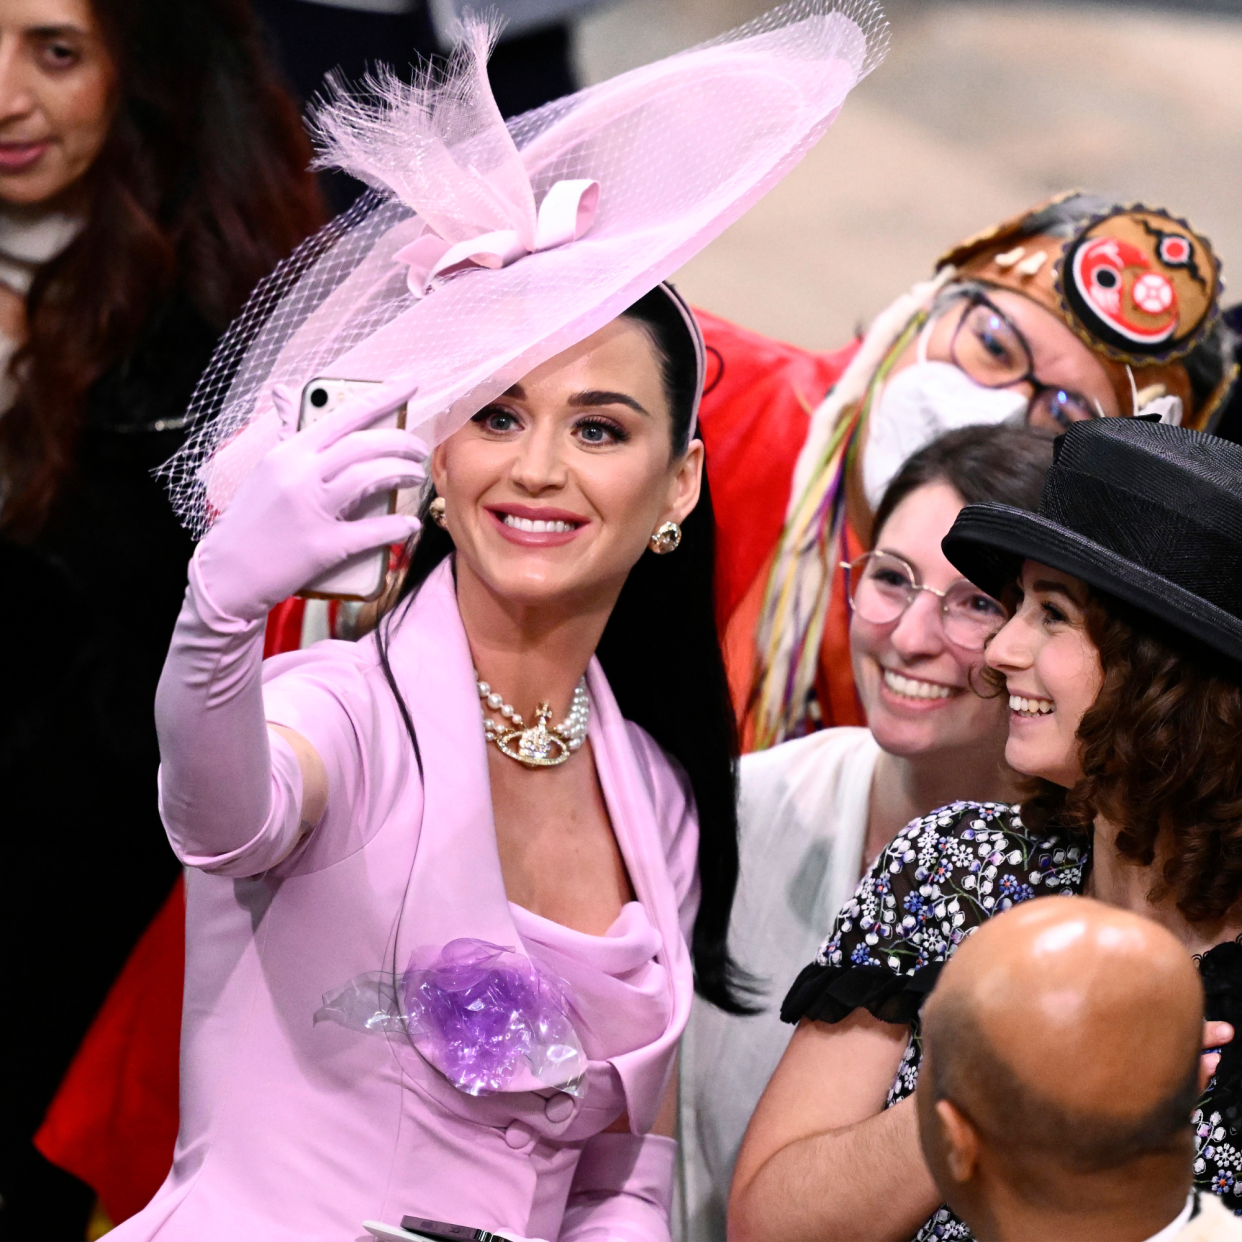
(565, 214)
(684, 147)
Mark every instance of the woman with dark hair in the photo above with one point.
(152, 170)
(451, 888)
(664, 687)
(815, 812)
(160, 139)
(1121, 671)
(441, 841)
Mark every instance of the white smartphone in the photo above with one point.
(360, 577)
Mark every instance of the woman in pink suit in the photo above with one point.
(440, 947)
(356, 807)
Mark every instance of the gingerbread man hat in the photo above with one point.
(1139, 286)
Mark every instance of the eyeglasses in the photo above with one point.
(881, 586)
(988, 347)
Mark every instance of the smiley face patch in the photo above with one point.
(1139, 283)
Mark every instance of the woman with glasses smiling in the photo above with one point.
(814, 812)
(1081, 308)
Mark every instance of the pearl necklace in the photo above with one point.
(539, 746)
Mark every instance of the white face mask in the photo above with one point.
(919, 404)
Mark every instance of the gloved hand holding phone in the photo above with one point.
(289, 522)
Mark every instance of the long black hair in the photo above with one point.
(661, 654)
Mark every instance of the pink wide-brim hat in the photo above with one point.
(484, 249)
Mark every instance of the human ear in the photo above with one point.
(686, 484)
(439, 468)
(961, 1142)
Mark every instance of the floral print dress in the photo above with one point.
(936, 882)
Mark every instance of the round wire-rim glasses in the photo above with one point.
(881, 586)
(988, 346)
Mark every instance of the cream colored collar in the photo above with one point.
(28, 241)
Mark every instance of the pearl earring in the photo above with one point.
(436, 510)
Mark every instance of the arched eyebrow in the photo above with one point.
(1049, 587)
(55, 32)
(589, 399)
(596, 397)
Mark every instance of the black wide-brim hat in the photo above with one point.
(1149, 513)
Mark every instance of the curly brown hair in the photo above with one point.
(1160, 757)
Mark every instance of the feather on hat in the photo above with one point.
(484, 249)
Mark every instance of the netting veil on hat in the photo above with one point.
(484, 249)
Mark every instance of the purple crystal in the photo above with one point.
(476, 1011)
(483, 1009)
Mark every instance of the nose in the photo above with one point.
(539, 466)
(1009, 651)
(1024, 388)
(17, 99)
(919, 632)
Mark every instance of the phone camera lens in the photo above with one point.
(319, 397)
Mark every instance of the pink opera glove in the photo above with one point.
(622, 1190)
(230, 793)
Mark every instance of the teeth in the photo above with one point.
(538, 528)
(912, 689)
(1031, 707)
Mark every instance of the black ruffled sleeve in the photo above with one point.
(933, 884)
(830, 993)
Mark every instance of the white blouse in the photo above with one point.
(802, 825)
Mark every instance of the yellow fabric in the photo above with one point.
(99, 1224)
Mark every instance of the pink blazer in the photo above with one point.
(297, 1130)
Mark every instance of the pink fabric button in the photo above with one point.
(559, 1107)
(518, 1135)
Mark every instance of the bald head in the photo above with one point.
(1067, 1033)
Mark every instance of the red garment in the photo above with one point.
(755, 416)
(284, 627)
(114, 1120)
(756, 411)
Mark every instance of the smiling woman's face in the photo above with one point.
(553, 491)
(1052, 672)
(56, 80)
(914, 683)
